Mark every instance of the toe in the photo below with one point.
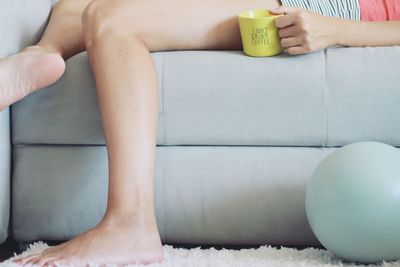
(16, 259)
(40, 260)
(51, 262)
(20, 257)
(60, 262)
(23, 260)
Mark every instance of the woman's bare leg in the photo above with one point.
(41, 65)
(63, 34)
(119, 37)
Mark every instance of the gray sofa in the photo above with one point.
(238, 138)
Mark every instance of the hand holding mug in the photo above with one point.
(302, 31)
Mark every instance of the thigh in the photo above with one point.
(189, 24)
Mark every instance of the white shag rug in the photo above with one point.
(262, 256)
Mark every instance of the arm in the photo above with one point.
(303, 31)
(359, 33)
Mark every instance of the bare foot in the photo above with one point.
(125, 242)
(25, 72)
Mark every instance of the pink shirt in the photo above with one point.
(380, 10)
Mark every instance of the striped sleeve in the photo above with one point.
(347, 9)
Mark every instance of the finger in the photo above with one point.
(283, 10)
(285, 21)
(290, 42)
(289, 31)
(296, 50)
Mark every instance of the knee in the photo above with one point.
(101, 19)
(69, 7)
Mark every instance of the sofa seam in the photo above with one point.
(163, 97)
(163, 199)
(326, 97)
(162, 156)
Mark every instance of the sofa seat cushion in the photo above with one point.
(203, 194)
(327, 98)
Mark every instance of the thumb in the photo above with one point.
(283, 10)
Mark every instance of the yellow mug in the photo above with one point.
(260, 36)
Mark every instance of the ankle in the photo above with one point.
(138, 218)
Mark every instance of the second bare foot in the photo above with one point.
(25, 72)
